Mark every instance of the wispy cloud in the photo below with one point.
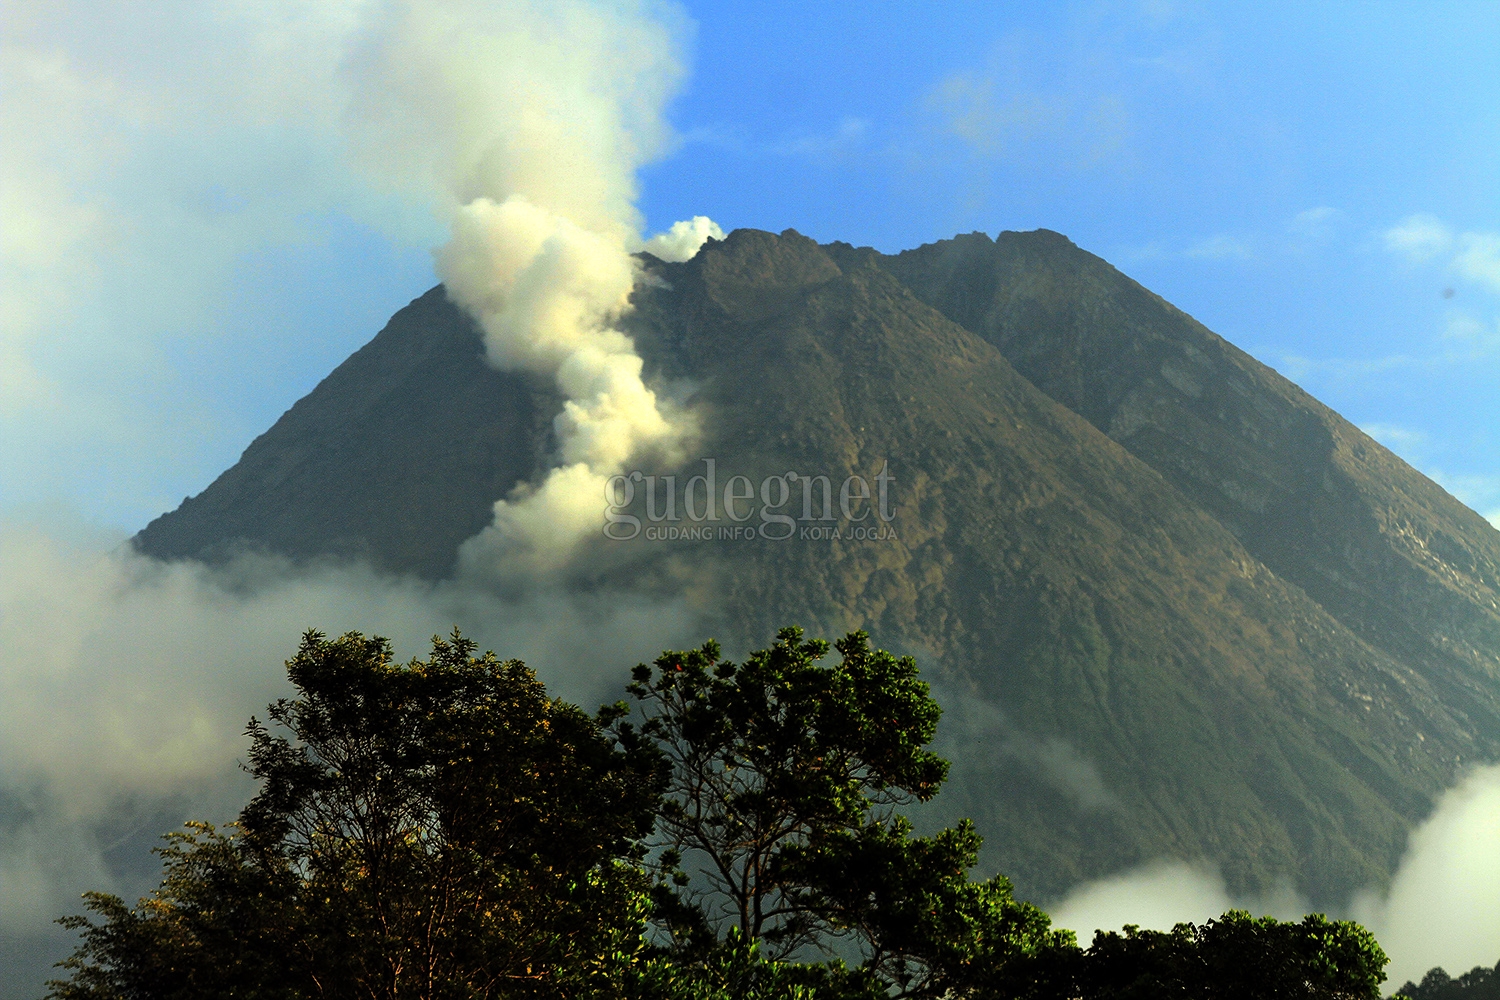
(1465, 340)
(849, 135)
(1473, 256)
(1474, 334)
(1478, 259)
(842, 139)
(997, 114)
(1314, 223)
(1477, 492)
(1402, 440)
(1419, 237)
(1220, 247)
(977, 110)
(1480, 493)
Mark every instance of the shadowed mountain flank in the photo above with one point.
(1377, 544)
(396, 457)
(1131, 669)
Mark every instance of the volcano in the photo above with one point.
(1176, 607)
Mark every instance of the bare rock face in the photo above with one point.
(1174, 605)
(396, 457)
(1378, 545)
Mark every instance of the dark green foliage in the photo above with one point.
(223, 923)
(778, 828)
(439, 829)
(1479, 983)
(736, 970)
(1235, 957)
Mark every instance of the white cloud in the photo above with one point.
(1478, 259)
(125, 684)
(1220, 247)
(1314, 223)
(1443, 907)
(1474, 256)
(1419, 237)
(684, 240)
(1158, 895)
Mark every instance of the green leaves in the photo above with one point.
(1236, 957)
(779, 830)
(434, 829)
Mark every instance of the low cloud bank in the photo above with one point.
(1442, 908)
(125, 686)
(1158, 895)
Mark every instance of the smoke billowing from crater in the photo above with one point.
(528, 124)
(125, 684)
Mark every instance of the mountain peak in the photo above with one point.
(1119, 541)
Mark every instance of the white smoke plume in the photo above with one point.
(528, 123)
(684, 239)
(146, 153)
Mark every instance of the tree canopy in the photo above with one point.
(778, 824)
(443, 829)
(435, 829)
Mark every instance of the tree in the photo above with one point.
(778, 830)
(1479, 983)
(442, 829)
(439, 829)
(222, 923)
(1235, 957)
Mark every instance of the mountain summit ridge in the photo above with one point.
(1146, 668)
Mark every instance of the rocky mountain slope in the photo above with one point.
(1176, 606)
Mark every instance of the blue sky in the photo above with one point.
(1319, 186)
(1246, 163)
(202, 212)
